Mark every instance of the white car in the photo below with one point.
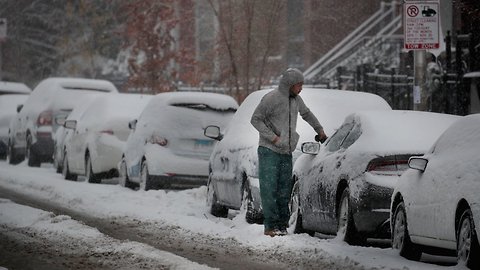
(346, 186)
(8, 109)
(167, 147)
(12, 96)
(94, 142)
(233, 177)
(436, 203)
(31, 131)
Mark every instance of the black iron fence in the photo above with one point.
(447, 90)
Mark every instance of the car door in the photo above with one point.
(322, 182)
(420, 209)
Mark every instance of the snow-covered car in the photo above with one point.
(344, 187)
(8, 110)
(31, 130)
(12, 95)
(233, 177)
(167, 147)
(14, 88)
(94, 142)
(61, 132)
(436, 202)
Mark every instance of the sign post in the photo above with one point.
(421, 20)
(3, 36)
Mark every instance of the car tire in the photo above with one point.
(123, 180)
(345, 225)
(89, 175)
(295, 223)
(401, 237)
(66, 170)
(33, 160)
(12, 157)
(146, 180)
(467, 241)
(216, 209)
(252, 215)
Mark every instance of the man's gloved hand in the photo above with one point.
(321, 137)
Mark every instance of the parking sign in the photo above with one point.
(421, 25)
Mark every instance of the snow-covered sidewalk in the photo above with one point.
(185, 209)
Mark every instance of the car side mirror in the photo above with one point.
(311, 148)
(418, 163)
(19, 107)
(132, 124)
(70, 124)
(213, 132)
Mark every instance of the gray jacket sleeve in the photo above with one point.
(259, 119)
(308, 116)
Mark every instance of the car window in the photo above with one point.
(336, 141)
(352, 136)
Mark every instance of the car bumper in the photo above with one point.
(43, 149)
(372, 210)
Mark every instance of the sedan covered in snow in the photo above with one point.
(32, 129)
(436, 204)
(94, 143)
(345, 187)
(167, 147)
(233, 179)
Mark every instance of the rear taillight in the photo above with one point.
(158, 140)
(107, 131)
(388, 165)
(45, 118)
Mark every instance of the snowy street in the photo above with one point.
(105, 226)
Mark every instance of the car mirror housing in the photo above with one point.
(213, 132)
(418, 163)
(19, 108)
(311, 148)
(132, 124)
(70, 124)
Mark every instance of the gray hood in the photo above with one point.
(289, 78)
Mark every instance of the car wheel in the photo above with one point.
(91, 177)
(66, 170)
(31, 157)
(216, 209)
(295, 224)
(146, 181)
(345, 225)
(124, 181)
(400, 236)
(11, 155)
(252, 215)
(467, 242)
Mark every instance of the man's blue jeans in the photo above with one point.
(275, 174)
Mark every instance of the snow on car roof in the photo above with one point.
(399, 131)
(119, 105)
(465, 131)
(79, 84)
(212, 100)
(14, 88)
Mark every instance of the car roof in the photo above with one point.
(14, 88)
(399, 130)
(77, 83)
(213, 100)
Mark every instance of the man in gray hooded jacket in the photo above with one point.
(275, 118)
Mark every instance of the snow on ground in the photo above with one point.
(186, 209)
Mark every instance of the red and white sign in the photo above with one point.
(421, 22)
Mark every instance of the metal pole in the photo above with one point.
(419, 91)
